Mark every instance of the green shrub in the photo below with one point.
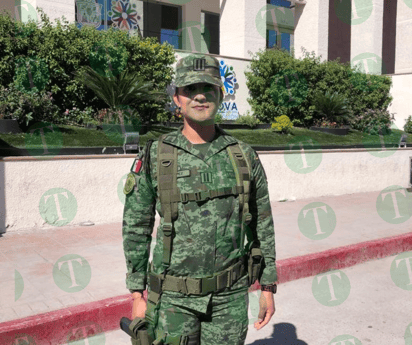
(82, 117)
(373, 121)
(26, 107)
(67, 49)
(108, 58)
(297, 99)
(31, 74)
(247, 119)
(218, 117)
(408, 125)
(333, 107)
(282, 124)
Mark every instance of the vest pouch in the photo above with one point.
(255, 259)
(152, 316)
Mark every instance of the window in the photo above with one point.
(279, 38)
(281, 3)
(211, 31)
(169, 25)
(280, 25)
(163, 21)
(271, 38)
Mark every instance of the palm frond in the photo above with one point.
(124, 89)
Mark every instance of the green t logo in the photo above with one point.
(345, 339)
(317, 221)
(331, 288)
(401, 271)
(302, 163)
(394, 205)
(72, 273)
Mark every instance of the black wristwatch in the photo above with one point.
(270, 287)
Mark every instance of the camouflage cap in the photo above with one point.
(198, 68)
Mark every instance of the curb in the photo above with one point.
(55, 327)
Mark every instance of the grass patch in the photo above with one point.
(72, 136)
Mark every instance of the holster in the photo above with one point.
(140, 334)
(255, 262)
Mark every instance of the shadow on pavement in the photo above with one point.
(283, 334)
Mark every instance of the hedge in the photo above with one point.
(306, 77)
(64, 48)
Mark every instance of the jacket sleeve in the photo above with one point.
(262, 220)
(138, 222)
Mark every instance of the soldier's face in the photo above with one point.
(199, 102)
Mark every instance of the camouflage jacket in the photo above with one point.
(207, 233)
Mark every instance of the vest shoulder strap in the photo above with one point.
(167, 186)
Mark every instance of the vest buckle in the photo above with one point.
(184, 197)
(229, 279)
(167, 229)
(198, 196)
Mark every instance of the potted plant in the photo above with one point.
(335, 113)
(326, 126)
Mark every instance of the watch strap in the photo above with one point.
(270, 287)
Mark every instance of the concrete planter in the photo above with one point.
(10, 126)
(225, 125)
(117, 128)
(336, 131)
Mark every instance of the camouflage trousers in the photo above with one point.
(225, 320)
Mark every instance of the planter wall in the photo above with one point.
(336, 131)
(224, 125)
(117, 128)
(10, 126)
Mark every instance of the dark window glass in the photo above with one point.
(285, 41)
(171, 36)
(271, 38)
(163, 22)
(282, 3)
(211, 35)
(170, 17)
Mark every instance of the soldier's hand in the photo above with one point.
(266, 309)
(139, 305)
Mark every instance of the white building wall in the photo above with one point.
(57, 8)
(232, 18)
(238, 32)
(403, 60)
(401, 92)
(366, 37)
(311, 28)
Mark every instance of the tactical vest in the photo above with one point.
(170, 196)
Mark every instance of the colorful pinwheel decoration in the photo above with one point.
(228, 78)
(124, 15)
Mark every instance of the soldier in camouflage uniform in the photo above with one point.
(207, 237)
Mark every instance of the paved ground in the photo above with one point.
(375, 311)
(29, 286)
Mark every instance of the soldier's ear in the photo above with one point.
(176, 98)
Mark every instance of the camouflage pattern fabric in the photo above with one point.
(224, 322)
(207, 233)
(187, 75)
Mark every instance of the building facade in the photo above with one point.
(374, 34)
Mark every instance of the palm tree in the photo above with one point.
(332, 106)
(124, 90)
